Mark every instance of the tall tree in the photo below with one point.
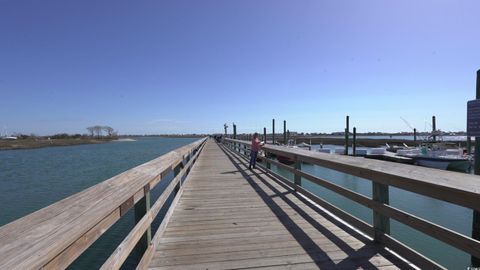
(108, 130)
(97, 130)
(91, 130)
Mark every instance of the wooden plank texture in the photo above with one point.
(229, 217)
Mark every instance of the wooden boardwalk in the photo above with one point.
(229, 217)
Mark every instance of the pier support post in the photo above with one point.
(269, 166)
(273, 131)
(347, 129)
(476, 214)
(141, 208)
(415, 136)
(285, 132)
(354, 144)
(265, 135)
(381, 223)
(297, 178)
(434, 128)
(234, 135)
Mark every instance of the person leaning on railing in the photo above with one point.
(256, 145)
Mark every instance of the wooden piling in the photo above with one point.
(346, 134)
(354, 144)
(415, 136)
(273, 131)
(476, 214)
(284, 131)
(434, 128)
(265, 135)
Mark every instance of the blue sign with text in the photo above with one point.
(473, 118)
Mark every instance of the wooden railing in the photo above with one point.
(53, 237)
(456, 188)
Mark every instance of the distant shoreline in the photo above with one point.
(41, 143)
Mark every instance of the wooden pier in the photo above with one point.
(230, 217)
(225, 216)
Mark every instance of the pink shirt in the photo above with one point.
(256, 145)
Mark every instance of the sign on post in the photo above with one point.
(473, 118)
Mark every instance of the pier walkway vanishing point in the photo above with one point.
(230, 217)
(218, 214)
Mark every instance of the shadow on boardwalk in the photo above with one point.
(364, 257)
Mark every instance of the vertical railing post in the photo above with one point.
(381, 223)
(297, 178)
(140, 209)
(354, 143)
(269, 166)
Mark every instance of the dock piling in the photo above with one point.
(346, 134)
(434, 128)
(273, 131)
(354, 144)
(284, 132)
(476, 214)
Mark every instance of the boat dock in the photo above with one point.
(389, 156)
(225, 216)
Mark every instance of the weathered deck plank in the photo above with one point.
(230, 217)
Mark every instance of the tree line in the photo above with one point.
(98, 131)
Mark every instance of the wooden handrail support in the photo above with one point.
(54, 236)
(456, 188)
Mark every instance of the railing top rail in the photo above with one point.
(32, 241)
(457, 188)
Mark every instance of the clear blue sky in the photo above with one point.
(190, 66)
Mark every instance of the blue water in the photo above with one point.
(35, 178)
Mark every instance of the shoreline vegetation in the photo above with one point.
(32, 142)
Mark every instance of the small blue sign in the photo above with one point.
(473, 118)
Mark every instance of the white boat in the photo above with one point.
(437, 156)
